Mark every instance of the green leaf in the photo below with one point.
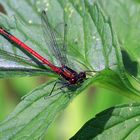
(88, 48)
(34, 114)
(92, 44)
(108, 37)
(117, 123)
(14, 61)
(111, 80)
(126, 23)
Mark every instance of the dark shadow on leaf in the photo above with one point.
(2, 9)
(94, 127)
(130, 65)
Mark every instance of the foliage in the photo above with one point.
(92, 44)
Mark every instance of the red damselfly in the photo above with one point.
(70, 76)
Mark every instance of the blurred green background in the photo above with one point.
(82, 108)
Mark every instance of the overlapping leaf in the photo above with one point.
(116, 123)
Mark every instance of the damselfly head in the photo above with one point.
(81, 77)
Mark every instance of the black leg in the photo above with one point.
(53, 88)
(64, 84)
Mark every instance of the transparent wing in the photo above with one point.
(15, 58)
(53, 40)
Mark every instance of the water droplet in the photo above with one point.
(46, 9)
(94, 37)
(30, 21)
(130, 108)
(47, 4)
(97, 39)
(137, 119)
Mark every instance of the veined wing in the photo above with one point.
(51, 38)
